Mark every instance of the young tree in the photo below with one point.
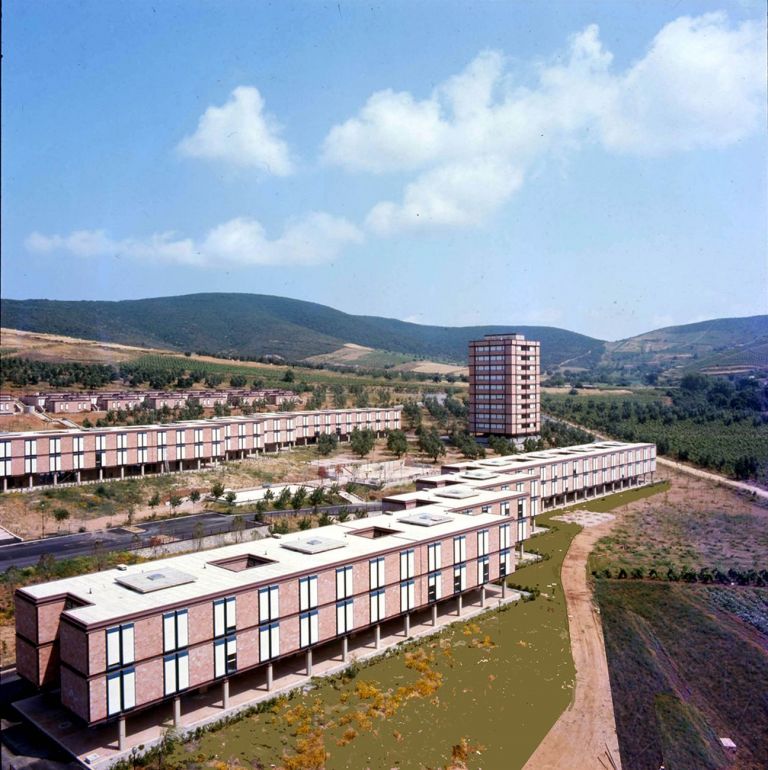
(154, 501)
(327, 443)
(412, 414)
(217, 490)
(299, 496)
(362, 441)
(230, 497)
(194, 496)
(397, 443)
(316, 497)
(431, 444)
(60, 514)
(283, 499)
(174, 501)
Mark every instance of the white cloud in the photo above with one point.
(470, 143)
(241, 133)
(240, 242)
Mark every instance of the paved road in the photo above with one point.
(119, 539)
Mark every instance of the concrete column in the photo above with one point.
(344, 649)
(459, 604)
(30, 481)
(482, 596)
(142, 469)
(77, 476)
(122, 471)
(101, 474)
(309, 662)
(177, 712)
(5, 483)
(503, 587)
(378, 636)
(270, 675)
(121, 734)
(407, 625)
(434, 614)
(225, 694)
(198, 463)
(55, 479)
(522, 549)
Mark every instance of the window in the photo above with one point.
(459, 549)
(521, 509)
(269, 606)
(505, 562)
(483, 570)
(378, 605)
(120, 643)
(377, 572)
(121, 691)
(434, 556)
(176, 672)
(407, 564)
(5, 458)
(269, 641)
(224, 616)
(459, 578)
(225, 656)
(308, 628)
(504, 536)
(175, 630)
(307, 592)
(344, 582)
(30, 456)
(344, 616)
(482, 542)
(434, 587)
(407, 595)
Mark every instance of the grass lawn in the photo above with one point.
(491, 687)
(688, 665)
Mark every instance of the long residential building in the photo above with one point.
(122, 640)
(33, 458)
(504, 386)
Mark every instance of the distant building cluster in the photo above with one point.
(33, 458)
(127, 400)
(504, 386)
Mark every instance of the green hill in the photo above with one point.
(694, 346)
(255, 325)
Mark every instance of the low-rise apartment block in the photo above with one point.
(126, 639)
(32, 458)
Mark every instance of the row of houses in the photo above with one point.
(33, 458)
(127, 400)
(123, 640)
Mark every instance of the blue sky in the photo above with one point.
(598, 166)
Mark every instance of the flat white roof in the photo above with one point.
(111, 599)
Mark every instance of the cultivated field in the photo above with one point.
(686, 670)
(695, 524)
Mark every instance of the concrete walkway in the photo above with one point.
(585, 735)
(97, 747)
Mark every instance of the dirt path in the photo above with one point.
(586, 729)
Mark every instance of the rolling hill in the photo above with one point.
(255, 325)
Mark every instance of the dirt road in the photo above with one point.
(586, 730)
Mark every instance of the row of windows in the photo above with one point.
(121, 683)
